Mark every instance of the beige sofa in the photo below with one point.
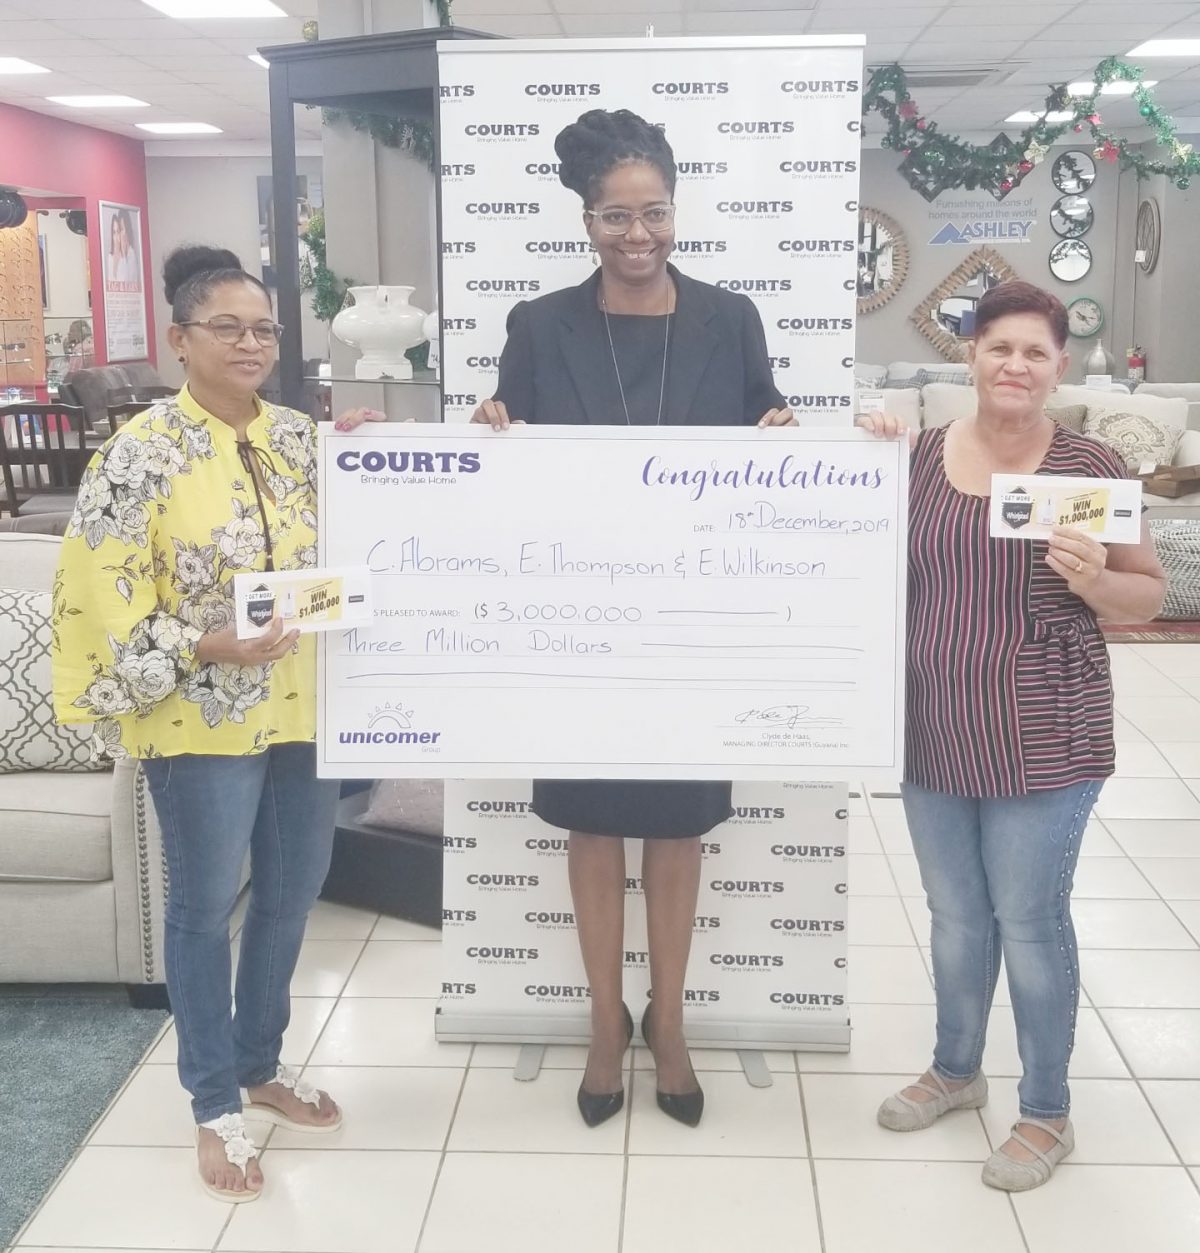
(936, 404)
(82, 879)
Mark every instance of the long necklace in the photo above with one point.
(662, 384)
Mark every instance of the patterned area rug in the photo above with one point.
(1182, 632)
(62, 1059)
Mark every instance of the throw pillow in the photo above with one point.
(414, 805)
(1072, 417)
(30, 739)
(1136, 437)
(961, 378)
(870, 377)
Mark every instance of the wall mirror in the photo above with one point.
(882, 259)
(1072, 216)
(1073, 172)
(946, 317)
(1070, 260)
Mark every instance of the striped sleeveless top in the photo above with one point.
(1009, 690)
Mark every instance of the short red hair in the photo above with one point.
(1017, 296)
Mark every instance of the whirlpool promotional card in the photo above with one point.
(1030, 506)
(325, 599)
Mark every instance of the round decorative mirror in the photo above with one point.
(882, 259)
(1073, 172)
(1072, 216)
(1070, 260)
(1149, 235)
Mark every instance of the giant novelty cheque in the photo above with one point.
(612, 602)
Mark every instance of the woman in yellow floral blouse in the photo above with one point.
(189, 493)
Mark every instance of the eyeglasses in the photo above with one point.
(231, 330)
(658, 217)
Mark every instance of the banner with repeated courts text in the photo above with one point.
(766, 135)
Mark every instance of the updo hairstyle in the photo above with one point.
(193, 272)
(592, 147)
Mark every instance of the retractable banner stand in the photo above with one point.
(766, 134)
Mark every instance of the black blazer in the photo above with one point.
(557, 367)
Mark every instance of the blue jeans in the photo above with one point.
(997, 873)
(213, 810)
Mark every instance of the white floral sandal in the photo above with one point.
(288, 1078)
(239, 1149)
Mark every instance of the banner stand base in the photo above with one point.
(529, 1062)
(754, 1067)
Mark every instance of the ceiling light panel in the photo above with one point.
(99, 102)
(205, 10)
(179, 128)
(14, 65)
(1167, 48)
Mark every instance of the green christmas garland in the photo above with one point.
(935, 161)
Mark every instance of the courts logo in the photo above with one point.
(390, 724)
(710, 848)
(754, 210)
(459, 843)
(815, 326)
(457, 91)
(690, 91)
(461, 400)
(818, 169)
(500, 809)
(557, 249)
(394, 461)
(807, 1000)
(772, 128)
(758, 813)
(502, 210)
(454, 991)
(701, 996)
(547, 846)
(489, 365)
(457, 917)
(746, 961)
(701, 247)
(808, 853)
(551, 920)
(562, 91)
(504, 882)
(502, 288)
(803, 249)
(706, 922)
(825, 927)
(820, 88)
(502, 132)
(780, 363)
(456, 173)
(757, 286)
(701, 169)
(490, 956)
(821, 400)
(457, 326)
(543, 171)
(638, 960)
(452, 248)
(747, 889)
(558, 993)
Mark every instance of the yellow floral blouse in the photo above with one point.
(166, 515)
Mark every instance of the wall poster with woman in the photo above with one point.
(124, 282)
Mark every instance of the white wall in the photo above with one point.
(211, 200)
(66, 268)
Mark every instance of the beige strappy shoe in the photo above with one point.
(239, 1149)
(902, 1113)
(1007, 1174)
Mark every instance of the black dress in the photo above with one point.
(646, 809)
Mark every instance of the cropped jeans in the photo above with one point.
(997, 873)
(213, 810)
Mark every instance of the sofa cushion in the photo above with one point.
(1071, 416)
(905, 404)
(28, 561)
(943, 403)
(56, 826)
(1169, 412)
(1137, 437)
(30, 739)
(949, 374)
(415, 805)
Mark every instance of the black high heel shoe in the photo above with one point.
(598, 1107)
(684, 1107)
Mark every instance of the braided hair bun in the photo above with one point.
(590, 148)
(191, 274)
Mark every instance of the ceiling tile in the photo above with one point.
(1004, 14)
(621, 25)
(464, 9)
(843, 18)
(14, 32)
(747, 22)
(648, 10)
(81, 10)
(519, 25)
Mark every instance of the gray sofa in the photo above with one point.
(82, 879)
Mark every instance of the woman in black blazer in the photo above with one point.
(638, 344)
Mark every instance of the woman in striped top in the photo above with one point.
(1010, 726)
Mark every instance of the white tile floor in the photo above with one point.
(442, 1152)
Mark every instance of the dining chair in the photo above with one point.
(42, 456)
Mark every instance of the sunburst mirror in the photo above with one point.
(882, 259)
(946, 316)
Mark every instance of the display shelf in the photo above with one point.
(420, 378)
